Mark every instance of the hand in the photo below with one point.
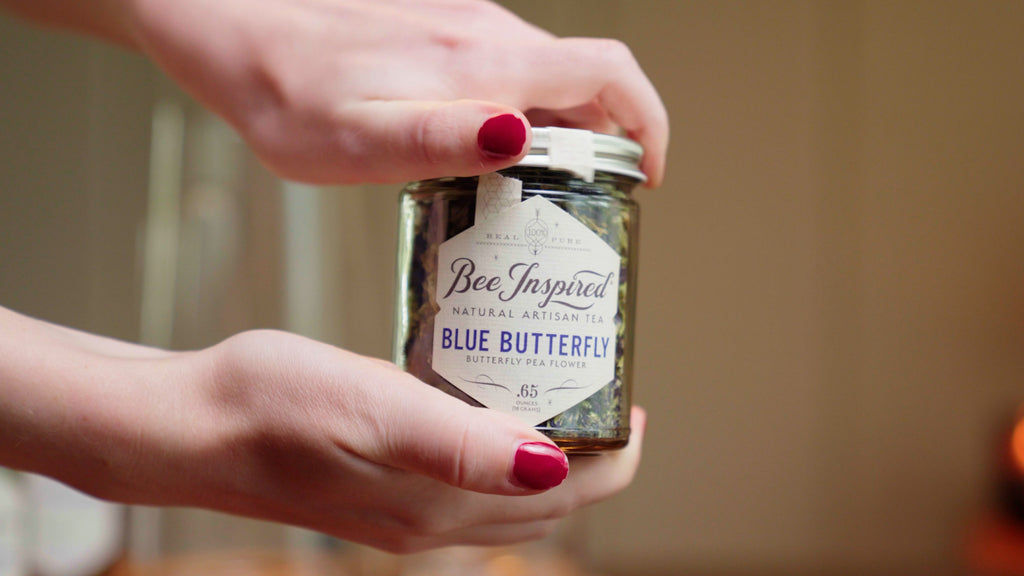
(275, 426)
(344, 91)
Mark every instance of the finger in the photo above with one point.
(422, 140)
(590, 116)
(593, 478)
(584, 69)
(420, 429)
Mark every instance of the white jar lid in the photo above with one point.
(583, 152)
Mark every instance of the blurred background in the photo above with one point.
(831, 301)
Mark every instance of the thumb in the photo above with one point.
(431, 433)
(422, 140)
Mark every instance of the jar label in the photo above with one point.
(527, 311)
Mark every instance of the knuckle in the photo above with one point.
(264, 130)
(613, 51)
(435, 132)
(615, 48)
(262, 117)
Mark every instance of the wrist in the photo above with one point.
(110, 20)
(97, 414)
(132, 429)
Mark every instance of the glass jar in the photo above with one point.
(516, 290)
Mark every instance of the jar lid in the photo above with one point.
(583, 152)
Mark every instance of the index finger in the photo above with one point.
(574, 71)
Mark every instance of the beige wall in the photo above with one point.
(71, 117)
(831, 319)
(831, 307)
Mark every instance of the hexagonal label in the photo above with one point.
(527, 303)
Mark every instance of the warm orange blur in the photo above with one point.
(1017, 446)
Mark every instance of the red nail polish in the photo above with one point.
(540, 466)
(502, 136)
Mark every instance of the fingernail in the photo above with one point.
(502, 136)
(540, 466)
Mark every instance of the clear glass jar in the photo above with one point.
(558, 332)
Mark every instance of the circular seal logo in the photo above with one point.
(536, 233)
